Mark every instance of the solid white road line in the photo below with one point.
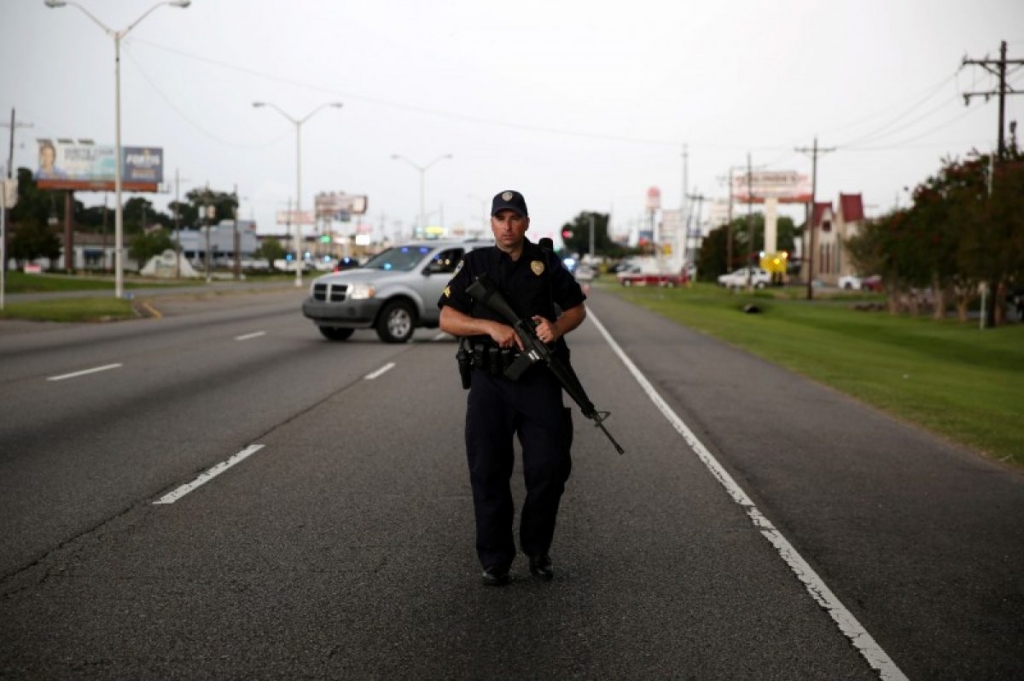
(208, 475)
(387, 367)
(76, 374)
(876, 658)
(247, 336)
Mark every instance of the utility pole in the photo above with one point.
(237, 240)
(729, 216)
(177, 225)
(809, 216)
(211, 210)
(750, 223)
(699, 198)
(998, 68)
(13, 125)
(686, 184)
(728, 228)
(592, 254)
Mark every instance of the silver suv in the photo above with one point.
(395, 292)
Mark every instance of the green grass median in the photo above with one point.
(952, 378)
(106, 309)
(19, 282)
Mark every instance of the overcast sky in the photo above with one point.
(581, 105)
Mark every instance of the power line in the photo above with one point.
(903, 144)
(191, 122)
(882, 133)
(411, 107)
(931, 91)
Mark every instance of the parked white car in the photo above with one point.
(756, 276)
(850, 282)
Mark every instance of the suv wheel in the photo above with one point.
(397, 321)
(333, 333)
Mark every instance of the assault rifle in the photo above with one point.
(534, 350)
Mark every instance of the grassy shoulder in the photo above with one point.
(951, 378)
(19, 282)
(103, 307)
(99, 309)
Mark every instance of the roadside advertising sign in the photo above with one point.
(788, 186)
(333, 205)
(653, 198)
(294, 217)
(84, 166)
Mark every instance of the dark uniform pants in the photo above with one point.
(497, 410)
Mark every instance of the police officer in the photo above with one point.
(533, 282)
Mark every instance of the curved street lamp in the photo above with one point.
(298, 175)
(118, 209)
(423, 172)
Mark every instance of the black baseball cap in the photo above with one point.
(509, 200)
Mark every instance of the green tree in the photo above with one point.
(32, 234)
(35, 204)
(224, 204)
(271, 249)
(35, 240)
(137, 215)
(711, 256)
(947, 207)
(94, 218)
(713, 262)
(890, 246)
(993, 250)
(148, 244)
(188, 213)
(578, 230)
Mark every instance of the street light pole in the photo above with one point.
(118, 212)
(298, 175)
(423, 173)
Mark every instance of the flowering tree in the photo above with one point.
(965, 229)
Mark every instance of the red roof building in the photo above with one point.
(830, 229)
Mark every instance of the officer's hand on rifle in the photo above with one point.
(547, 331)
(505, 336)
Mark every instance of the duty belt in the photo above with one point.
(491, 358)
(484, 356)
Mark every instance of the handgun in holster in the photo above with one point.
(465, 359)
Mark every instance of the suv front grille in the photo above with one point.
(329, 293)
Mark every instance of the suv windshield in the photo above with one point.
(399, 259)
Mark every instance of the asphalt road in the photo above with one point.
(759, 526)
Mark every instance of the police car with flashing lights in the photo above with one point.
(395, 292)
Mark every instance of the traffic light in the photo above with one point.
(567, 233)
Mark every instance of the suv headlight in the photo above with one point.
(360, 291)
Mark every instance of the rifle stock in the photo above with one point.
(534, 350)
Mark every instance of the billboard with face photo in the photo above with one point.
(64, 164)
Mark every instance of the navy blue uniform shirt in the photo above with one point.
(532, 285)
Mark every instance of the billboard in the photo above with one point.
(65, 164)
(294, 217)
(336, 205)
(787, 186)
(653, 198)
